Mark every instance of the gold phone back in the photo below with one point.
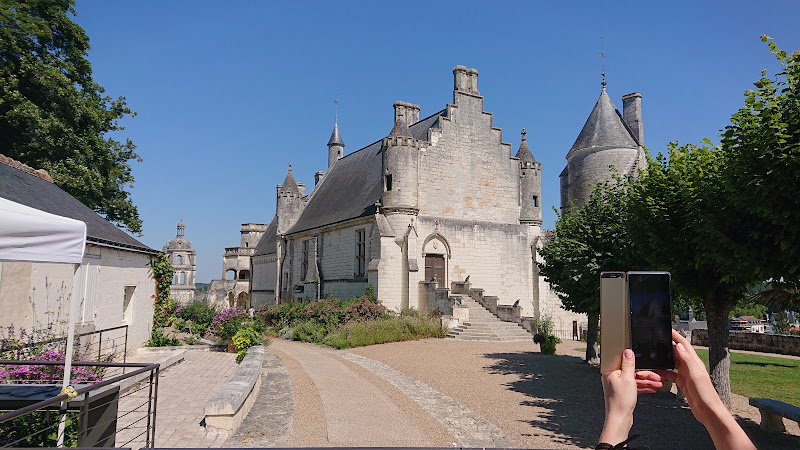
(614, 320)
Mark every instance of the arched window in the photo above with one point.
(230, 274)
(183, 277)
(179, 260)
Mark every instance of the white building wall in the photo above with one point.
(264, 279)
(35, 294)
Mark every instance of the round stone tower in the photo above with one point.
(400, 163)
(335, 145)
(610, 143)
(530, 180)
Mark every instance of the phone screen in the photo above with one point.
(651, 319)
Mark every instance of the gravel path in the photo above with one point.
(477, 394)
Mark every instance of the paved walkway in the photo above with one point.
(183, 390)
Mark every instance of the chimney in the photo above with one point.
(460, 79)
(465, 80)
(408, 113)
(632, 115)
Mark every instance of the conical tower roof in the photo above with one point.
(604, 128)
(524, 153)
(335, 139)
(400, 128)
(289, 185)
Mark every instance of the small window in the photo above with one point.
(304, 270)
(230, 274)
(389, 182)
(183, 278)
(179, 260)
(535, 201)
(175, 278)
(247, 244)
(361, 253)
(127, 304)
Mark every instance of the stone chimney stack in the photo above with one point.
(407, 113)
(632, 115)
(465, 80)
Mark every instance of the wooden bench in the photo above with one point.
(773, 412)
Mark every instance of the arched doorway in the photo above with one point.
(242, 300)
(230, 299)
(436, 252)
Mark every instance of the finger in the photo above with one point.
(668, 374)
(628, 363)
(647, 375)
(648, 385)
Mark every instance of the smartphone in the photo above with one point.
(651, 319)
(614, 320)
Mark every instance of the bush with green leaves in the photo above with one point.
(158, 339)
(199, 312)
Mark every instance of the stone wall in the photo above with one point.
(264, 281)
(588, 168)
(467, 171)
(757, 342)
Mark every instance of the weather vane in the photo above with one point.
(603, 56)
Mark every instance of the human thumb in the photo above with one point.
(628, 363)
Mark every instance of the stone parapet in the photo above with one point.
(756, 342)
(227, 408)
(460, 287)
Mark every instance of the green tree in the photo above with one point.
(761, 148)
(781, 325)
(54, 116)
(587, 241)
(747, 308)
(678, 223)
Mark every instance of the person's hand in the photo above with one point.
(692, 377)
(648, 382)
(620, 391)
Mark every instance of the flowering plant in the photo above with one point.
(36, 374)
(228, 321)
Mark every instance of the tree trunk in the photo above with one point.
(592, 354)
(717, 310)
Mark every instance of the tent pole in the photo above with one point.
(73, 312)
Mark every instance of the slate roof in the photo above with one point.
(335, 139)
(20, 185)
(604, 128)
(268, 244)
(352, 185)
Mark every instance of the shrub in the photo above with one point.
(157, 339)
(309, 331)
(179, 324)
(356, 334)
(243, 339)
(364, 309)
(369, 293)
(200, 312)
(549, 345)
(228, 321)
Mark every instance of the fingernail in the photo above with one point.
(681, 347)
(628, 353)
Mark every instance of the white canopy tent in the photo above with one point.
(28, 234)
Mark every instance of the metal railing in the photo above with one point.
(100, 346)
(118, 411)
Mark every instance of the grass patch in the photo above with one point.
(763, 376)
(393, 329)
(581, 349)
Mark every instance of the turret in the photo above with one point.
(290, 202)
(530, 185)
(400, 162)
(335, 145)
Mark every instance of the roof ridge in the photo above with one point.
(41, 173)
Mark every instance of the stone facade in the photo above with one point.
(439, 200)
(184, 260)
(234, 287)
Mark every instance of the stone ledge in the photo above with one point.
(227, 408)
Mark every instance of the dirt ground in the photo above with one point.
(554, 401)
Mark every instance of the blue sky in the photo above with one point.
(228, 93)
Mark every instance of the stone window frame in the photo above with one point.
(306, 244)
(360, 266)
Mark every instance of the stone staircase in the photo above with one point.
(485, 326)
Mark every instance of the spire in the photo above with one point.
(335, 139)
(289, 184)
(603, 56)
(604, 128)
(524, 153)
